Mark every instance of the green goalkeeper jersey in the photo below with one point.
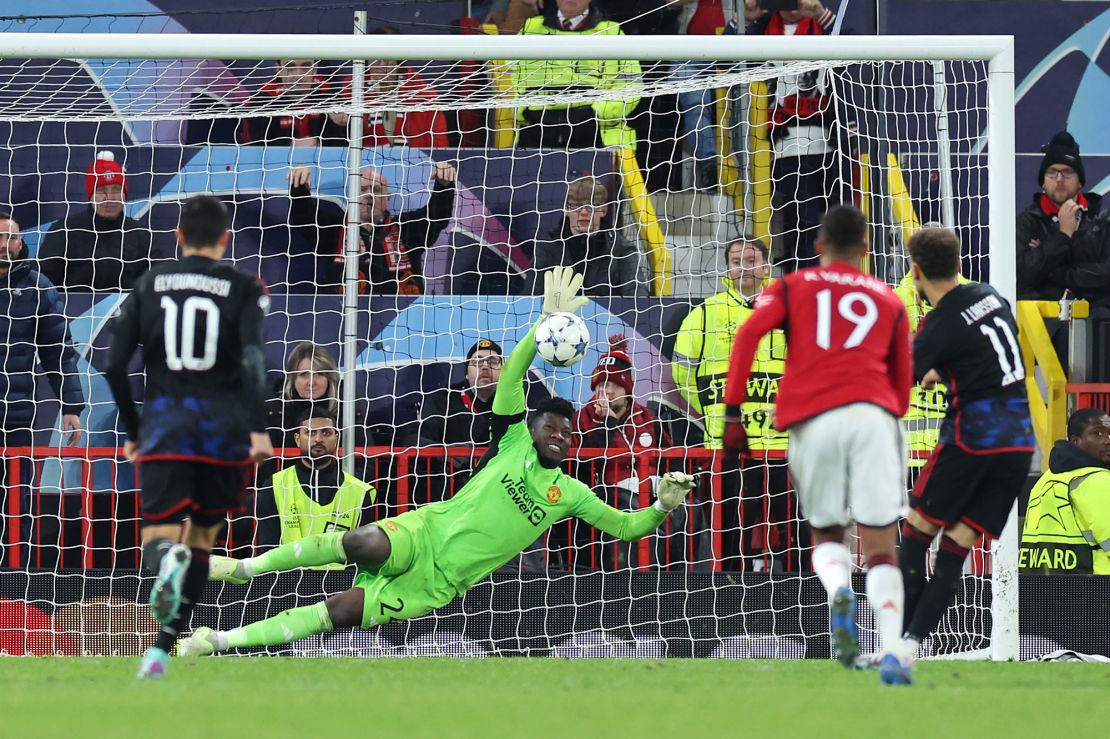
(513, 498)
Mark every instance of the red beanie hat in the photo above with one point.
(615, 365)
(104, 171)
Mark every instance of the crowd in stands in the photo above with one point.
(1063, 250)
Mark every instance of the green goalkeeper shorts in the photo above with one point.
(406, 585)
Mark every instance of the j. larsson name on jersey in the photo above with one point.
(191, 281)
(977, 311)
(519, 493)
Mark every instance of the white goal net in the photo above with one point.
(400, 212)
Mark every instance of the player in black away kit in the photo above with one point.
(969, 485)
(199, 322)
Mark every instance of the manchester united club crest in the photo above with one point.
(554, 494)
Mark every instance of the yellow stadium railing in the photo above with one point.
(759, 146)
(659, 256)
(1048, 409)
(504, 121)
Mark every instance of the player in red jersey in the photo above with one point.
(847, 384)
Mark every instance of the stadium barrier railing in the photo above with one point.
(88, 515)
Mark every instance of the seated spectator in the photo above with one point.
(297, 85)
(311, 495)
(1067, 523)
(386, 82)
(577, 125)
(460, 414)
(1063, 237)
(614, 421)
(99, 248)
(311, 380)
(392, 246)
(610, 264)
(804, 168)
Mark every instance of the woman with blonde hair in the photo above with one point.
(311, 379)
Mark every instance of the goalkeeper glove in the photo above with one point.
(672, 490)
(560, 291)
(735, 439)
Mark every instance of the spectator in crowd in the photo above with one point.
(610, 264)
(614, 421)
(759, 518)
(702, 18)
(392, 245)
(99, 248)
(460, 414)
(298, 84)
(1063, 237)
(581, 125)
(35, 336)
(390, 82)
(804, 168)
(311, 380)
(312, 495)
(1067, 523)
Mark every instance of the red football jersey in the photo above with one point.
(847, 341)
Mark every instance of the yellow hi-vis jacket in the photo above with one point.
(301, 516)
(702, 352)
(556, 76)
(1067, 523)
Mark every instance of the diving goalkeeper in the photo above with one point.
(423, 559)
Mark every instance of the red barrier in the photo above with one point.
(92, 518)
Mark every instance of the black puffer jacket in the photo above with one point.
(610, 264)
(86, 252)
(35, 332)
(1048, 262)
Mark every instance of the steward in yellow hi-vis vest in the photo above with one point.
(927, 407)
(542, 126)
(1067, 523)
(704, 345)
(312, 495)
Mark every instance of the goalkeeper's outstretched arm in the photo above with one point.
(560, 295)
(631, 525)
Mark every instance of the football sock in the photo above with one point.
(153, 551)
(833, 565)
(884, 593)
(311, 551)
(192, 586)
(913, 556)
(287, 626)
(940, 591)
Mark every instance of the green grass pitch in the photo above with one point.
(493, 698)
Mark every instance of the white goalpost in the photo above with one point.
(904, 114)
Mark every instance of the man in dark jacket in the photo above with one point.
(35, 333)
(460, 414)
(610, 264)
(99, 248)
(1063, 237)
(392, 246)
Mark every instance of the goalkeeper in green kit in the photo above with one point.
(423, 559)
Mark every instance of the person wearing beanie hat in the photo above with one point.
(1063, 237)
(100, 247)
(614, 421)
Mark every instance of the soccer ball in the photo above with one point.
(562, 339)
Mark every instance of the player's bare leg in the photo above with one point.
(182, 573)
(833, 565)
(885, 593)
(936, 596)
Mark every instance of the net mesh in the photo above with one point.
(721, 150)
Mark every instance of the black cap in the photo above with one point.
(1062, 150)
(489, 344)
